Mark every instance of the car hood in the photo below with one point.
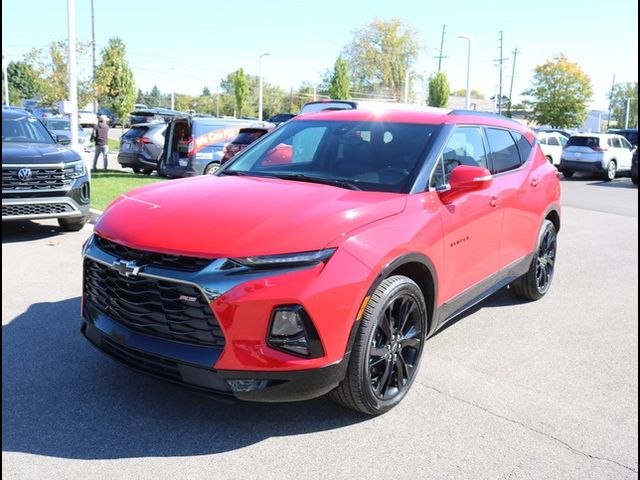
(36, 153)
(219, 217)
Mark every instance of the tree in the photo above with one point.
(339, 82)
(206, 92)
(380, 55)
(115, 86)
(51, 67)
(154, 98)
(240, 87)
(438, 90)
(461, 92)
(621, 92)
(560, 94)
(24, 81)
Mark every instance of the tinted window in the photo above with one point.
(504, 151)
(200, 128)
(135, 132)
(245, 138)
(553, 141)
(543, 141)
(583, 142)
(24, 130)
(524, 147)
(373, 156)
(625, 143)
(563, 140)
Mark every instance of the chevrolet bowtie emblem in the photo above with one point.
(126, 269)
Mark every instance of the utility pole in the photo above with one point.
(626, 115)
(613, 85)
(513, 73)
(500, 65)
(218, 100)
(6, 81)
(93, 56)
(441, 56)
(291, 101)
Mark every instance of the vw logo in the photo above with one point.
(24, 174)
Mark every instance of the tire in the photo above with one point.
(147, 171)
(549, 159)
(610, 173)
(72, 224)
(212, 168)
(161, 168)
(567, 173)
(534, 284)
(383, 366)
(634, 180)
(135, 169)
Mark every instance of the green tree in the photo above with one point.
(380, 55)
(438, 90)
(206, 92)
(115, 85)
(240, 90)
(51, 67)
(461, 92)
(24, 81)
(560, 93)
(154, 97)
(339, 82)
(621, 92)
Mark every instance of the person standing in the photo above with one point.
(100, 136)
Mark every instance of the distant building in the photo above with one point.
(481, 105)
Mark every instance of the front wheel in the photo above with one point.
(536, 282)
(212, 168)
(387, 349)
(567, 173)
(610, 174)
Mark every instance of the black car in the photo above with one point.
(279, 118)
(634, 167)
(631, 134)
(141, 147)
(41, 178)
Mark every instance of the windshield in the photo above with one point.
(371, 156)
(24, 130)
(53, 124)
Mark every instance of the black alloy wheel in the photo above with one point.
(536, 282)
(387, 348)
(395, 347)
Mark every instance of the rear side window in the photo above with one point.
(553, 141)
(504, 151)
(583, 142)
(246, 138)
(524, 147)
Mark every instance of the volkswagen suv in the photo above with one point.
(322, 257)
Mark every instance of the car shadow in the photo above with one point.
(62, 398)
(502, 298)
(625, 183)
(21, 231)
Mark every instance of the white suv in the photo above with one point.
(551, 144)
(596, 152)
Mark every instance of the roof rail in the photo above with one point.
(483, 114)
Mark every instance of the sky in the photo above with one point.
(187, 45)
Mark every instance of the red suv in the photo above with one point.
(326, 268)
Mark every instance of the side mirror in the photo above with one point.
(63, 140)
(466, 178)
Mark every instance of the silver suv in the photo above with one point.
(601, 153)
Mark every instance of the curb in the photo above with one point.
(94, 215)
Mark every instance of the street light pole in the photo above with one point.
(260, 85)
(6, 81)
(73, 83)
(467, 100)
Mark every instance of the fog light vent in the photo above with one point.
(247, 385)
(292, 331)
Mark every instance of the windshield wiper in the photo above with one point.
(239, 173)
(325, 181)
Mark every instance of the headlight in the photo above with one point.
(79, 169)
(287, 259)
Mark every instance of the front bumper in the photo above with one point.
(573, 166)
(75, 204)
(190, 366)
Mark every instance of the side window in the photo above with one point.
(438, 178)
(465, 147)
(625, 143)
(611, 143)
(504, 151)
(563, 140)
(554, 141)
(524, 147)
(543, 141)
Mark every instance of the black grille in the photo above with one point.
(172, 262)
(36, 209)
(53, 178)
(161, 308)
(142, 361)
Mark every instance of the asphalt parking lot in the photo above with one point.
(513, 390)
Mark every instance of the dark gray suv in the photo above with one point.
(41, 178)
(141, 147)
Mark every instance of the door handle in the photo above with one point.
(535, 182)
(494, 202)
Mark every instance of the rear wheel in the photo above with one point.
(610, 174)
(536, 282)
(212, 168)
(135, 169)
(549, 159)
(634, 180)
(387, 349)
(147, 171)
(72, 224)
